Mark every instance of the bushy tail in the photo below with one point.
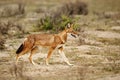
(20, 49)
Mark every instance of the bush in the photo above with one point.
(2, 41)
(12, 10)
(62, 23)
(7, 30)
(58, 25)
(77, 7)
(6, 26)
(57, 20)
(48, 24)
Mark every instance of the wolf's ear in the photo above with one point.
(68, 25)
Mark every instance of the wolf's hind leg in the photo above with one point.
(20, 54)
(33, 51)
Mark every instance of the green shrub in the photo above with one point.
(57, 20)
(47, 24)
(58, 25)
(55, 26)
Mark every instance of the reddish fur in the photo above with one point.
(52, 40)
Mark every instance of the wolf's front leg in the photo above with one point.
(49, 55)
(63, 56)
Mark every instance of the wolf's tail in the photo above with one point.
(20, 48)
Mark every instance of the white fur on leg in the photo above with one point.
(33, 63)
(64, 57)
(31, 60)
(47, 62)
(17, 60)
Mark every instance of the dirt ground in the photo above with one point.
(92, 61)
(95, 53)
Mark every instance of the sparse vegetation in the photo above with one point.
(12, 10)
(9, 29)
(2, 42)
(58, 19)
(95, 54)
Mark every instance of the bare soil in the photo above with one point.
(95, 53)
(90, 62)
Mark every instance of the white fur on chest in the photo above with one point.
(60, 45)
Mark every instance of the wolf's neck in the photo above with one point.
(63, 36)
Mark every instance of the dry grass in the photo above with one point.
(12, 10)
(94, 57)
(56, 20)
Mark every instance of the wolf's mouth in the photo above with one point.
(73, 35)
